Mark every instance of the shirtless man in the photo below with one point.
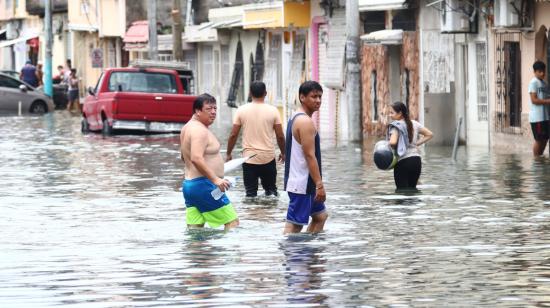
(303, 178)
(200, 150)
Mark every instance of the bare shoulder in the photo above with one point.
(193, 130)
(303, 122)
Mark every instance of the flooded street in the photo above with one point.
(89, 221)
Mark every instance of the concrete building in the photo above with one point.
(22, 33)
(516, 40)
(431, 55)
(254, 41)
(390, 68)
(96, 31)
(454, 63)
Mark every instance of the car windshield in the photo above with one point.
(142, 82)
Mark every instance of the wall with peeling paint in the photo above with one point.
(377, 58)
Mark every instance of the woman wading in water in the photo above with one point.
(404, 137)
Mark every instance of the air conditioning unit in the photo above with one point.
(454, 17)
(506, 13)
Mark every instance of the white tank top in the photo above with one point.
(298, 170)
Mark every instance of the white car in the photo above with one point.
(14, 91)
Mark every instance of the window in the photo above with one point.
(374, 96)
(481, 59)
(142, 82)
(374, 21)
(404, 19)
(98, 83)
(207, 81)
(9, 82)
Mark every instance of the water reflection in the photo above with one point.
(303, 269)
(198, 281)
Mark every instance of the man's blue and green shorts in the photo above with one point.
(202, 207)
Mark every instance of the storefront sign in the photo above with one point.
(97, 58)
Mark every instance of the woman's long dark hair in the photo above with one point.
(400, 107)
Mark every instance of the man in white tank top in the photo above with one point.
(303, 174)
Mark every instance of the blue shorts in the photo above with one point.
(301, 207)
(197, 193)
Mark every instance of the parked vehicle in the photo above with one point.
(182, 68)
(59, 95)
(14, 92)
(13, 74)
(144, 99)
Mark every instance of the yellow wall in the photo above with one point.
(292, 14)
(84, 42)
(78, 17)
(297, 14)
(113, 17)
(6, 14)
(252, 18)
(21, 9)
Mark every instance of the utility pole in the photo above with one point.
(188, 13)
(177, 52)
(152, 17)
(353, 84)
(48, 85)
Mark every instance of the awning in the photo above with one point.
(17, 40)
(138, 32)
(83, 27)
(381, 5)
(384, 37)
(165, 42)
(226, 17)
(238, 22)
(204, 32)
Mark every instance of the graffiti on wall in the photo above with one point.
(438, 57)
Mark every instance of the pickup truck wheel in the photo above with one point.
(84, 126)
(38, 107)
(106, 130)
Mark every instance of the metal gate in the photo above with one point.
(508, 84)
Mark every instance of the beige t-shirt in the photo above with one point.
(256, 121)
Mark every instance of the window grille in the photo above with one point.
(482, 101)
(507, 114)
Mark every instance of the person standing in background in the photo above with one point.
(28, 74)
(73, 93)
(260, 123)
(538, 108)
(39, 74)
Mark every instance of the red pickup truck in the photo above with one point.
(146, 99)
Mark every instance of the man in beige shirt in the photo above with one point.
(260, 123)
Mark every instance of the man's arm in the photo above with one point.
(199, 141)
(232, 140)
(306, 132)
(280, 140)
(538, 101)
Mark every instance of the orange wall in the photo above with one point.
(297, 14)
